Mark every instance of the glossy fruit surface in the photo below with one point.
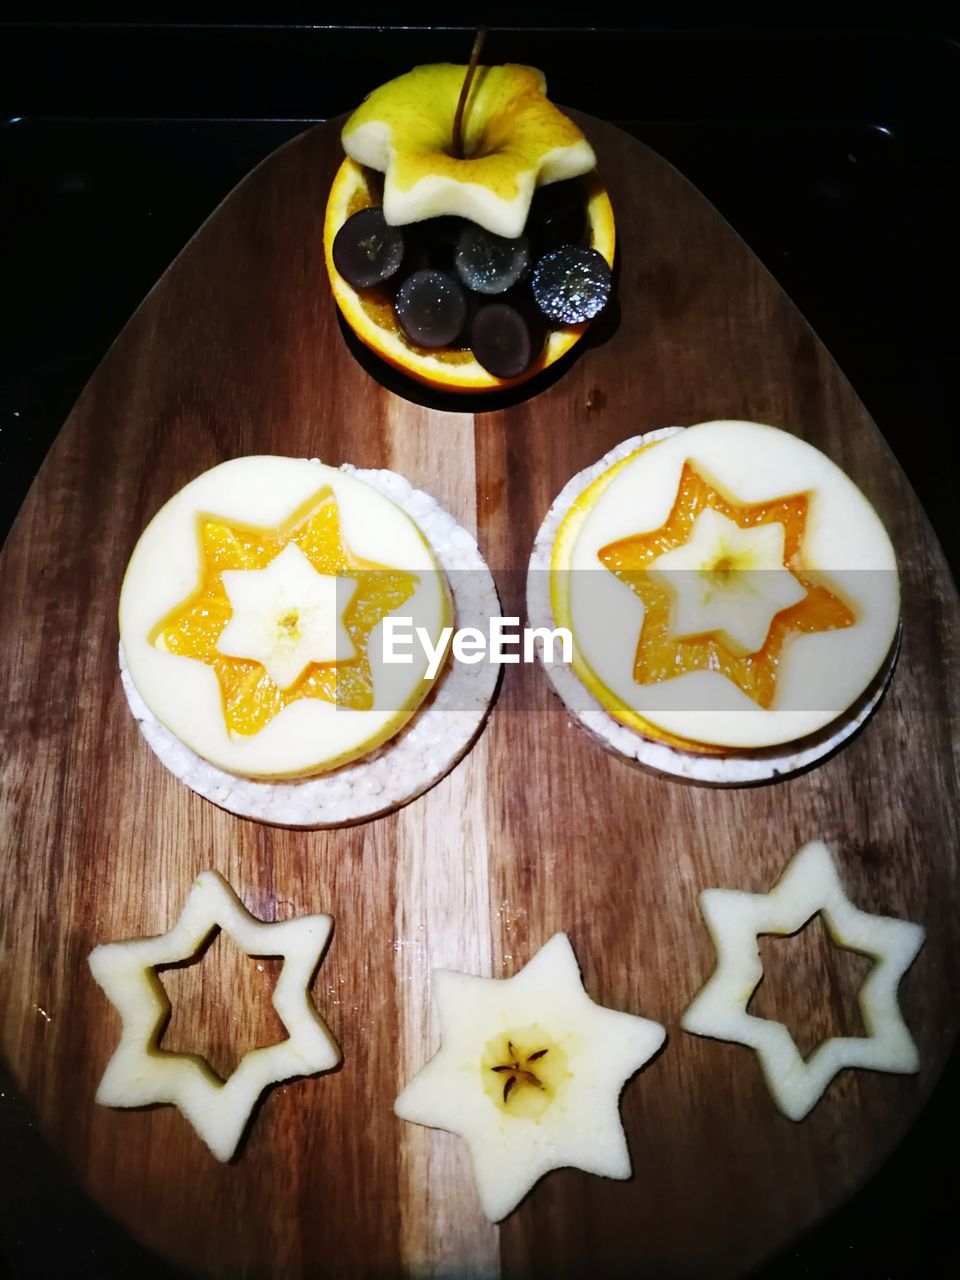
(558, 216)
(431, 308)
(487, 263)
(500, 340)
(572, 285)
(366, 251)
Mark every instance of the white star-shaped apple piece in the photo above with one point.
(287, 616)
(736, 919)
(140, 1073)
(567, 1057)
(728, 580)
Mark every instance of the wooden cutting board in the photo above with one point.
(238, 350)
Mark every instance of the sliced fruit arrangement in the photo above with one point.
(467, 237)
(727, 587)
(247, 612)
(529, 1072)
(251, 654)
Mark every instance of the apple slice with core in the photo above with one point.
(529, 1072)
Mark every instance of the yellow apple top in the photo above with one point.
(514, 141)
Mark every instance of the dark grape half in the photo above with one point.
(366, 251)
(431, 308)
(500, 340)
(571, 285)
(434, 242)
(558, 216)
(487, 263)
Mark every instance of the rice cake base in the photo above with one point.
(742, 768)
(435, 739)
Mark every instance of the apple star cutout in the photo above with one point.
(661, 653)
(529, 1073)
(736, 919)
(514, 141)
(729, 581)
(287, 616)
(140, 1073)
(284, 613)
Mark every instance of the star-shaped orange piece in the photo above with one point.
(662, 655)
(251, 698)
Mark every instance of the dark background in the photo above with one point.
(827, 136)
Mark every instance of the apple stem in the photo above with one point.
(478, 40)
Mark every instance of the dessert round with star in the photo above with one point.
(468, 240)
(252, 622)
(732, 597)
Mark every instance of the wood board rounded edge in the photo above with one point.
(236, 374)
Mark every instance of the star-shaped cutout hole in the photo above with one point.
(810, 985)
(284, 613)
(141, 1074)
(220, 1004)
(736, 920)
(723, 587)
(529, 1073)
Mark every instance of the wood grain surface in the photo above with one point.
(238, 350)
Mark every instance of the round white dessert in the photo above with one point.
(425, 748)
(798, 738)
(311, 734)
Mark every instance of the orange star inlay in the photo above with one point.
(660, 654)
(251, 699)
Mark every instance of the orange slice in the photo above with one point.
(564, 540)
(696, 689)
(233, 527)
(251, 699)
(371, 316)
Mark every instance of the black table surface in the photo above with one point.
(832, 152)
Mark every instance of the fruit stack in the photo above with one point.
(468, 240)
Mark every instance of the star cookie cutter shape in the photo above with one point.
(283, 612)
(710, 596)
(529, 1073)
(287, 617)
(141, 1074)
(736, 919)
(777, 599)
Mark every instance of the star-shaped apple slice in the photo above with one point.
(287, 616)
(140, 1073)
(736, 920)
(730, 592)
(529, 1073)
(729, 581)
(284, 614)
(514, 141)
